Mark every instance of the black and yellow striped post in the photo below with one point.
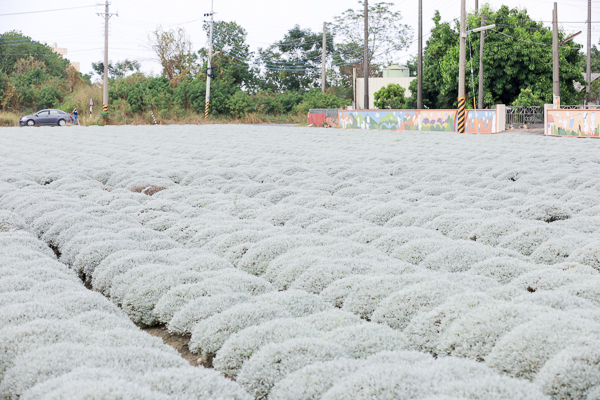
(105, 108)
(461, 115)
(206, 110)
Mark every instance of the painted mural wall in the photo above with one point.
(399, 120)
(580, 123)
(481, 121)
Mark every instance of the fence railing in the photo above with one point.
(580, 107)
(329, 112)
(532, 115)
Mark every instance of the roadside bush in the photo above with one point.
(390, 96)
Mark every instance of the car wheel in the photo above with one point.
(30, 122)
(61, 122)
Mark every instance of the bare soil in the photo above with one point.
(179, 343)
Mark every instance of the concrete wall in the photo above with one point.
(478, 121)
(574, 123)
(374, 85)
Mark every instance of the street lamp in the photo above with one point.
(481, 29)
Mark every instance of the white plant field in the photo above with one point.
(305, 263)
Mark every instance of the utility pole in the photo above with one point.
(555, 65)
(324, 57)
(420, 59)
(106, 16)
(209, 66)
(366, 57)
(476, 6)
(481, 42)
(588, 72)
(461, 68)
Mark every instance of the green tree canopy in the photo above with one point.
(232, 60)
(294, 63)
(390, 96)
(517, 54)
(15, 46)
(595, 60)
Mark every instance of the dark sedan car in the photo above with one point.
(46, 117)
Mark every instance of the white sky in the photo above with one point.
(81, 31)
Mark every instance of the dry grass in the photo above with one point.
(9, 119)
(122, 117)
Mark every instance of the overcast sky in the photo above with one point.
(81, 31)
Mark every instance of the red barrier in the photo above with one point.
(316, 119)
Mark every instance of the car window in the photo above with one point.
(54, 112)
(43, 112)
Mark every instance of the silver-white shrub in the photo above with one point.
(323, 272)
(273, 362)
(366, 295)
(198, 383)
(573, 372)
(51, 361)
(142, 296)
(10, 222)
(527, 240)
(312, 381)
(459, 257)
(547, 211)
(256, 260)
(502, 269)
(210, 334)
(388, 243)
(548, 279)
(400, 307)
(16, 283)
(363, 340)
(425, 329)
(523, 351)
(558, 249)
(90, 383)
(177, 297)
(21, 313)
(455, 378)
(241, 346)
(587, 289)
(337, 292)
(475, 333)
(559, 299)
(183, 321)
(587, 255)
(417, 250)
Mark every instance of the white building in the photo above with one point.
(392, 74)
(63, 52)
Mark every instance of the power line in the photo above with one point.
(43, 11)
(529, 41)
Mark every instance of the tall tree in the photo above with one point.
(517, 55)
(232, 60)
(294, 63)
(118, 69)
(173, 50)
(387, 35)
(14, 46)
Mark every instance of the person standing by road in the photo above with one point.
(91, 105)
(75, 117)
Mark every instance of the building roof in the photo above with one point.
(595, 75)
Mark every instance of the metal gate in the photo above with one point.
(329, 112)
(529, 116)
